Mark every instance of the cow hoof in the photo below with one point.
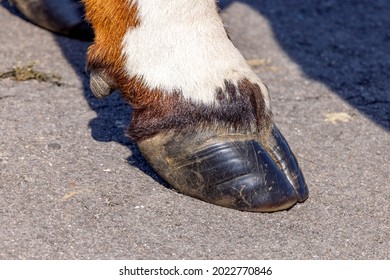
(236, 171)
(65, 17)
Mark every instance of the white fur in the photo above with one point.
(182, 45)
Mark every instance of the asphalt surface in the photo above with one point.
(73, 187)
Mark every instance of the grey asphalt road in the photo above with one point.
(73, 187)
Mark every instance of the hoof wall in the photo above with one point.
(65, 17)
(231, 171)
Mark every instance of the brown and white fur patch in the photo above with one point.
(176, 66)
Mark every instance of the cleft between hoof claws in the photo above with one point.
(230, 170)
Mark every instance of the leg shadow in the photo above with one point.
(342, 44)
(113, 114)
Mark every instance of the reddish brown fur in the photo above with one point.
(110, 20)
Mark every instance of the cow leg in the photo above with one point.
(201, 116)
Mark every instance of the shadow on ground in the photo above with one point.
(113, 115)
(342, 44)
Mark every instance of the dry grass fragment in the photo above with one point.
(27, 72)
(262, 64)
(336, 117)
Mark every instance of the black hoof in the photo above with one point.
(235, 171)
(61, 16)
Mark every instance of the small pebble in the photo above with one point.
(54, 146)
